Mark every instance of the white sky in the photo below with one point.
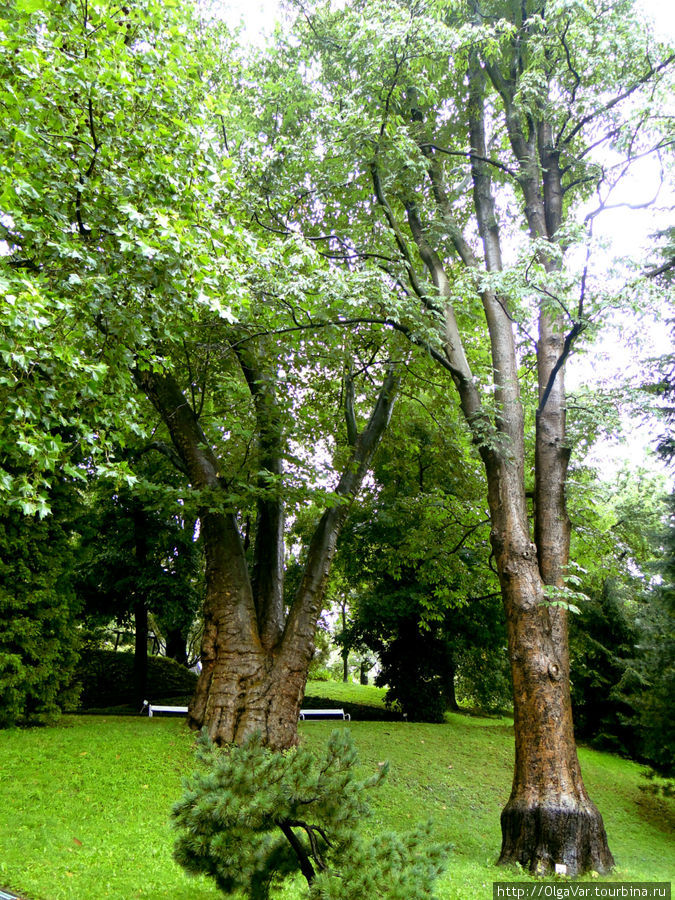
(260, 15)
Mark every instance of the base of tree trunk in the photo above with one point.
(540, 837)
(235, 702)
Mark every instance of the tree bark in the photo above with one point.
(268, 552)
(252, 681)
(549, 818)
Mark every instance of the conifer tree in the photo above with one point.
(251, 817)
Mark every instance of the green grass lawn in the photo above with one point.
(85, 804)
(339, 693)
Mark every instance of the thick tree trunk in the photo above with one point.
(255, 664)
(244, 689)
(549, 819)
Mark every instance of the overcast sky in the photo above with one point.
(259, 15)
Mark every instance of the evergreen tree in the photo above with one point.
(605, 673)
(38, 633)
(657, 705)
(251, 817)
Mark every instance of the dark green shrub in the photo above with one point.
(38, 637)
(251, 817)
(106, 679)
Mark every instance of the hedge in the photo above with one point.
(106, 677)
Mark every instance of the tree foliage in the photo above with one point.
(149, 555)
(38, 614)
(202, 248)
(416, 559)
(252, 817)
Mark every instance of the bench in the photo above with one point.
(304, 713)
(154, 707)
(324, 714)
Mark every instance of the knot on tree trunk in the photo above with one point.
(554, 671)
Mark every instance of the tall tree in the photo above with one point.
(121, 214)
(255, 652)
(39, 637)
(459, 147)
(138, 557)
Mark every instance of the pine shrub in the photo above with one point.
(251, 817)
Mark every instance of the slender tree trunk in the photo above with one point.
(449, 682)
(140, 653)
(140, 669)
(345, 650)
(176, 646)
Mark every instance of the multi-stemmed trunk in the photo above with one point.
(255, 655)
(549, 819)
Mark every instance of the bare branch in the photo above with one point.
(576, 330)
(468, 154)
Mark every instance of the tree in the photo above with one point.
(148, 564)
(123, 216)
(251, 817)
(254, 658)
(38, 609)
(459, 147)
(416, 554)
(615, 547)
(655, 706)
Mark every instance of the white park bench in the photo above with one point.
(154, 707)
(304, 713)
(324, 714)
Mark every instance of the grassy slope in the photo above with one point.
(85, 805)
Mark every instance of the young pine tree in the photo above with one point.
(251, 817)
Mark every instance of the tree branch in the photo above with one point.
(305, 865)
(470, 155)
(653, 70)
(576, 330)
(350, 418)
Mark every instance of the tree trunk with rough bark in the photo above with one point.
(255, 656)
(549, 819)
